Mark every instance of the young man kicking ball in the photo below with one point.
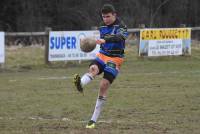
(109, 59)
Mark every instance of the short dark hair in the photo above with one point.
(107, 8)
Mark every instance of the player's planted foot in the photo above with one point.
(77, 83)
(91, 124)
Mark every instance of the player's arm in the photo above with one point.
(121, 35)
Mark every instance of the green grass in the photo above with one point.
(150, 96)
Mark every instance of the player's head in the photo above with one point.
(108, 13)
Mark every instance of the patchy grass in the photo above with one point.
(159, 95)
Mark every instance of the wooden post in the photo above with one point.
(94, 28)
(47, 30)
(182, 25)
(2, 66)
(141, 26)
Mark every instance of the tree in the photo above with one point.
(154, 12)
(82, 15)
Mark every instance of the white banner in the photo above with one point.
(165, 47)
(65, 45)
(2, 47)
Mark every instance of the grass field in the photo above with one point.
(150, 96)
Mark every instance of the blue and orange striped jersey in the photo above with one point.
(115, 36)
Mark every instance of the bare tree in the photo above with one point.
(153, 12)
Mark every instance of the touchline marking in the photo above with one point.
(172, 72)
(46, 78)
(65, 119)
(135, 74)
(58, 119)
(55, 78)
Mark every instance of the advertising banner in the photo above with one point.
(164, 42)
(2, 47)
(65, 45)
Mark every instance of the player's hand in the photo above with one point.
(100, 41)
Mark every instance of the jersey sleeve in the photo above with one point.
(120, 35)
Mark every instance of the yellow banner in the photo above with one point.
(165, 34)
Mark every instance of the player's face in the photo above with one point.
(109, 18)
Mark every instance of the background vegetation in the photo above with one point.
(29, 15)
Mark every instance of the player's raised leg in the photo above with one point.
(80, 82)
